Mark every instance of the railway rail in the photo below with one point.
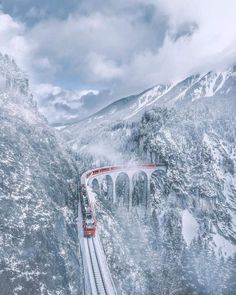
(96, 267)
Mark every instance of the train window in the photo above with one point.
(90, 226)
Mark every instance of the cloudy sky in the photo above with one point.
(82, 54)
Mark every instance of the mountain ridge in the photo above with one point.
(179, 95)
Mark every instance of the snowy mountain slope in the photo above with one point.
(191, 235)
(38, 240)
(211, 84)
(191, 126)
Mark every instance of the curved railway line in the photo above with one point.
(97, 277)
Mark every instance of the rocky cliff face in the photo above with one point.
(11, 77)
(38, 239)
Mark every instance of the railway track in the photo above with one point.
(96, 268)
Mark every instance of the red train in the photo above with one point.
(114, 168)
(89, 221)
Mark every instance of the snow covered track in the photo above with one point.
(96, 268)
(98, 280)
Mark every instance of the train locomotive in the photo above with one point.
(89, 221)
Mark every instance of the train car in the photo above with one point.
(89, 225)
(89, 221)
(150, 166)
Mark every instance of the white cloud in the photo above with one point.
(212, 44)
(43, 90)
(126, 45)
(108, 41)
(208, 43)
(15, 42)
(62, 105)
(103, 68)
(12, 39)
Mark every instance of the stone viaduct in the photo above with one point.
(125, 185)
